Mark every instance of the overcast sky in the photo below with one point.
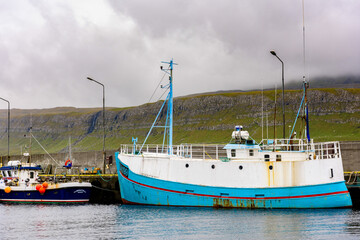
(48, 48)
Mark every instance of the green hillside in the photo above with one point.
(208, 118)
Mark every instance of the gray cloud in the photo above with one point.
(48, 48)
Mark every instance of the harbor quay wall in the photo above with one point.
(350, 152)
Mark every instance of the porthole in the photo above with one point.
(240, 167)
(213, 166)
(187, 165)
(271, 167)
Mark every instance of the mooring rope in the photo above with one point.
(103, 178)
(104, 189)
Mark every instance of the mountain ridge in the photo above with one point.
(206, 118)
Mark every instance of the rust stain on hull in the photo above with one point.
(222, 203)
(249, 203)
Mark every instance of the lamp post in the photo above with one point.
(283, 100)
(8, 130)
(104, 154)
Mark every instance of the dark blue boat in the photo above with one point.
(20, 183)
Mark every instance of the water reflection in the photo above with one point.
(118, 222)
(353, 223)
(182, 223)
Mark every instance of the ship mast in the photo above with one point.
(306, 84)
(304, 102)
(168, 127)
(170, 107)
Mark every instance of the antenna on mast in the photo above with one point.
(304, 52)
(306, 84)
(262, 110)
(303, 104)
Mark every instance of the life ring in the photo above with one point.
(68, 163)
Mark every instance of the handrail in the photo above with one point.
(324, 150)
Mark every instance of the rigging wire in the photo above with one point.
(44, 149)
(162, 94)
(157, 87)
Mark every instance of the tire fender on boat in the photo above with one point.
(27, 182)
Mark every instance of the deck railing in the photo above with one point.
(299, 145)
(325, 150)
(198, 151)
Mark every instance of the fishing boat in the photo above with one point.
(21, 183)
(275, 173)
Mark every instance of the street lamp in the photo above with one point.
(8, 130)
(283, 104)
(104, 154)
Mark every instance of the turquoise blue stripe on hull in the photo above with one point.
(137, 189)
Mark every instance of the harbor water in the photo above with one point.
(140, 222)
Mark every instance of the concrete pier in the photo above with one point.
(350, 152)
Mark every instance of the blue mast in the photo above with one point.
(171, 109)
(306, 112)
(169, 117)
(168, 127)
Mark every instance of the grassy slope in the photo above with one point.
(333, 126)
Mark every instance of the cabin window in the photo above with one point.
(250, 142)
(267, 157)
(31, 174)
(251, 152)
(278, 158)
(9, 173)
(233, 153)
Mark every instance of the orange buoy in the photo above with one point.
(45, 185)
(7, 189)
(38, 187)
(42, 190)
